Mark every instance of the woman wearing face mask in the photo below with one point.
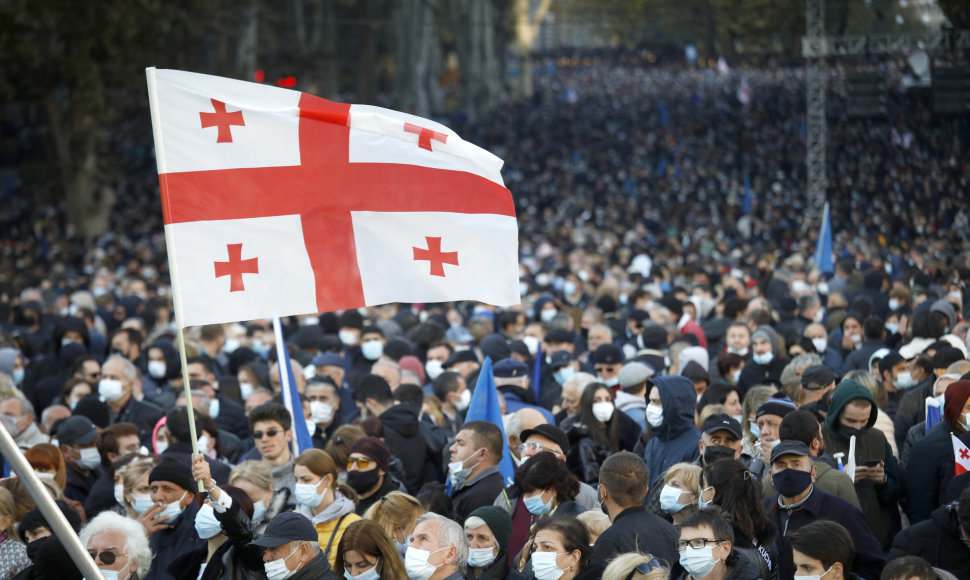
(707, 551)
(561, 549)
(727, 395)
(136, 493)
(326, 503)
(48, 462)
(396, 513)
(547, 489)
(729, 367)
(599, 430)
(223, 522)
(681, 488)
(730, 486)
(118, 546)
(488, 529)
(366, 553)
(254, 478)
(74, 390)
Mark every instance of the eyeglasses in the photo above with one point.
(362, 462)
(537, 447)
(645, 568)
(106, 557)
(271, 433)
(696, 543)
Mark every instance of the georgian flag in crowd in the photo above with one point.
(961, 456)
(279, 203)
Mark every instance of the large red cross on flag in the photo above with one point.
(277, 202)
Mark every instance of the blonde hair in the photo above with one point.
(131, 473)
(754, 398)
(338, 447)
(689, 475)
(8, 507)
(622, 568)
(319, 463)
(595, 521)
(395, 510)
(255, 472)
(709, 410)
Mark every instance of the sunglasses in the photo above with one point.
(271, 433)
(645, 568)
(362, 462)
(106, 557)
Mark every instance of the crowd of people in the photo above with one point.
(683, 393)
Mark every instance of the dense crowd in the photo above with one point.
(683, 393)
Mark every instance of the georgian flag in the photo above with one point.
(961, 456)
(279, 203)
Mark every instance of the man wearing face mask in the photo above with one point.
(931, 464)
(118, 546)
(325, 408)
(77, 437)
(119, 382)
(720, 439)
(820, 340)
(454, 394)
(473, 467)
(368, 472)
(293, 550)
(21, 422)
(488, 530)
(438, 549)
(607, 360)
(874, 333)
(172, 529)
(670, 414)
(853, 412)
(632, 396)
(799, 503)
(896, 379)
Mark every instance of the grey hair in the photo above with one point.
(578, 381)
(474, 522)
(136, 542)
(26, 408)
(314, 546)
(450, 533)
(129, 370)
(386, 363)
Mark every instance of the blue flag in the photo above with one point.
(537, 373)
(746, 207)
(823, 248)
(933, 413)
(484, 407)
(291, 396)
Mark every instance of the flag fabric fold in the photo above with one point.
(291, 396)
(961, 456)
(823, 247)
(278, 203)
(484, 407)
(934, 414)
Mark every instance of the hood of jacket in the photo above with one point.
(849, 390)
(678, 397)
(173, 366)
(402, 419)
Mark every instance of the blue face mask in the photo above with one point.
(700, 499)
(763, 359)
(536, 506)
(306, 494)
(564, 374)
(259, 510)
(755, 430)
(206, 524)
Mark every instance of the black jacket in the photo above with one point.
(316, 569)
(387, 486)
(182, 452)
(143, 415)
(232, 417)
(78, 486)
(498, 570)
(754, 374)
(479, 492)
(233, 560)
(936, 540)
(170, 544)
(101, 497)
(403, 437)
(869, 557)
(635, 529)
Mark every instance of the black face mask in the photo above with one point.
(714, 452)
(791, 482)
(363, 481)
(847, 432)
(33, 548)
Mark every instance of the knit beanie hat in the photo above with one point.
(374, 449)
(955, 397)
(498, 521)
(173, 471)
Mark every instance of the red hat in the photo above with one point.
(956, 397)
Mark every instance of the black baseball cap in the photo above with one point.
(817, 377)
(550, 432)
(790, 447)
(722, 422)
(77, 430)
(287, 527)
(560, 358)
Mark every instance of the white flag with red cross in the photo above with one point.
(961, 456)
(278, 202)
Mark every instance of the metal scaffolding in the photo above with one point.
(815, 49)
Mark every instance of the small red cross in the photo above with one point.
(435, 257)
(223, 120)
(964, 454)
(236, 267)
(425, 136)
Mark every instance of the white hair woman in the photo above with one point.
(118, 545)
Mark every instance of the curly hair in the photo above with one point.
(544, 471)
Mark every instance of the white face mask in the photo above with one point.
(90, 458)
(276, 569)
(655, 415)
(371, 574)
(458, 472)
(372, 349)
(348, 337)
(433, 369)
(814, 576)
(531, 343)
(320, 412)
(245, 389)
(172, 511)
(204, 443)
(214, 408)
(548, 314)
(157, 368)
(603, 411)
(417, 565)
(903, 381)
(820, 345)
(480, 557)
(464, 400)
(545, 567)
(670, 499)
(120, 494)
(110, 390)
(116, 574)
(763, 359)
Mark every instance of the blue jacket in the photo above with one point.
(675, 440)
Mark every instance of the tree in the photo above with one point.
(474, 25)
(526, 25)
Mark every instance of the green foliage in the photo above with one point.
(958, 11)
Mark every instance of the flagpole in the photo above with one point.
(283, 364)
(172, 268)
(42, 497)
